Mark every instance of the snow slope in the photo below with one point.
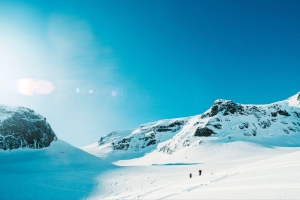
(60, 171)
(235, 170)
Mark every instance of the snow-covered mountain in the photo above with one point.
(21, 127)
(217, 142)
(275, 124)
(28, 170)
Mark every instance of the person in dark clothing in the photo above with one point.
(200, 171)
(190, 175)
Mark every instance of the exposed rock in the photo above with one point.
(163, 129)
(244, 125)
(24, 128)
(264, 124)
(274, 114)
(297, 114)
(226, 107)
(204, 132)
(217, 126)
(214, 110)
(283, 112)
(151, 142)
(149, 137)
(186, 143)
(291, 129)
(122, 144)
(174, 126)
(254, 132)
(196, 123)
(218, 119)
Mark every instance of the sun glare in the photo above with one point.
(25, 86)
(28, 86)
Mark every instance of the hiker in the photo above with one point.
(200, 171)
(190, 175)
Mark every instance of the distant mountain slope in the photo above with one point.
(21, 127)
(271, 124)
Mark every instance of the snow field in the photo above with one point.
(60, 172)
(235, 170)
(270, 173)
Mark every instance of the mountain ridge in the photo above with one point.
(276, 124)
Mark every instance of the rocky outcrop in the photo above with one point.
(22, 127)
(226, 107)
(147, 136)
(204, 132)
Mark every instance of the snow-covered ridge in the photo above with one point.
(294, 100)
(271, 124)
(21, 127)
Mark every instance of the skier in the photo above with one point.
(200, 171)
(190, 175)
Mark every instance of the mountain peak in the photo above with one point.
(294, 100)
(227, 107)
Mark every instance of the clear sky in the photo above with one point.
(91, 67)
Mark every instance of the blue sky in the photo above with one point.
(114, 65)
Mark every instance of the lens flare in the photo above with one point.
(113, 93)
(43, 87)
(28, 86)
(25, 86)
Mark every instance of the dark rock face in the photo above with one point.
(298, 98)
(122, 145)
(244, 125)
(264, 124)
(151, 142)
(297, 114)
(217, 126)
(274, 114)
(148, 137)
(24, 128)
(174, 126)
(283, 112)
(227, 107)
(214, 110)
(204, 132)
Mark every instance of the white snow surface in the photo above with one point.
(60, 171)
(155, 160)
(235, 170)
